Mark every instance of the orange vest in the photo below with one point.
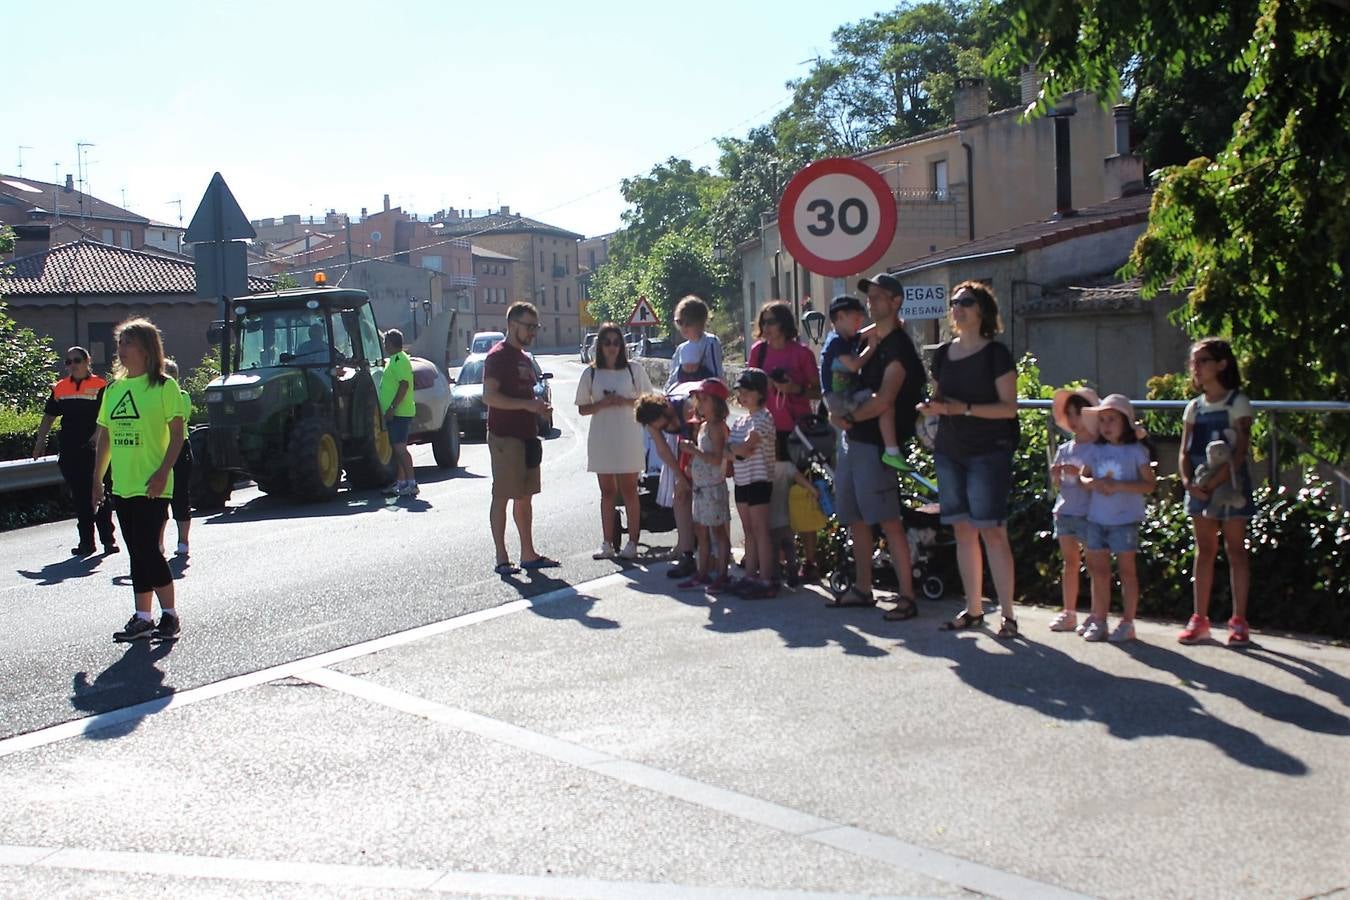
(88, 388)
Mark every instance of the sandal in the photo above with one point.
(1008, 630)
(852, 597)
(505, 568)
(905, 608)
(962, 622)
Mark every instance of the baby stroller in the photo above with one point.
(652, 516)
(931, 545)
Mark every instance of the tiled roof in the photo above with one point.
(497, 223)
(91, 268)
(54, 198)
(1112, 214)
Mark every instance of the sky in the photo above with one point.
(541, 106)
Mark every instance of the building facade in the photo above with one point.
(69, 214)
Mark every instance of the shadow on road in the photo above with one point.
(134, 678)
(65, 570)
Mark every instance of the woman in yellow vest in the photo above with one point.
(140, 431)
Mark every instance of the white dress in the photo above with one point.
(614, 443)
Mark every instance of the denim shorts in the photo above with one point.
(1116, 538)
(399, 427)
(1075, 527)
(974, 488)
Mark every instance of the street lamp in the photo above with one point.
(813, 323)
(412, 313)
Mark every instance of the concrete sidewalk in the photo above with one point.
(618, 740)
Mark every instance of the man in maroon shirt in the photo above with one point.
(513, 436)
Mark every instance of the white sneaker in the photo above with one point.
(605, 552)
(629, 551)
(182, 548)
(1065, 621)
(1095, 631)
(1123, 634)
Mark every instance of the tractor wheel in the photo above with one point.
(371, 464)
(314, 459)
(209, 488)
(445, 446)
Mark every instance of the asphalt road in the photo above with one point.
(270, 581)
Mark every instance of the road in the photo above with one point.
(269, 581)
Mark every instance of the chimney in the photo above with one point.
(1121, 111)
(70, 183)
(506, 210)
(972, 99)
(386, 203)
(1031, 85)
(363, 213)
(1062, 116)
(31, 239)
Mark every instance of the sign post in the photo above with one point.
(217, 230)
(837, 217)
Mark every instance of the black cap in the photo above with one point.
(846, 303)
(754, 379)
(884, 280)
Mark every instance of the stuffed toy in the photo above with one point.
(1226, 494)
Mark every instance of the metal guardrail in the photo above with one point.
(22, 474)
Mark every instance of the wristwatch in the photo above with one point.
(968, 411)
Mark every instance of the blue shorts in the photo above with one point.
(974, 488)
(399, 427)
(865, 489)
(1116, 538)
(1075, 527)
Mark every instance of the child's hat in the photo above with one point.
(714, 387)
(1119, 403)
(846, 303)
(1060, 406)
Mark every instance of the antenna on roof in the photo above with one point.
(81, 164)
(22, 147)
(179, 204)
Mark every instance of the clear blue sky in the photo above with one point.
(543, 106)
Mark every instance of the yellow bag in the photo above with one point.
(804, 512)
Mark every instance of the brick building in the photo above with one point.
(546, 272)
(496, 273)
(69, 214)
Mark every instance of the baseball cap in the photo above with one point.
(715, 387)
(753, 379)
(883, 280)
(846, 303)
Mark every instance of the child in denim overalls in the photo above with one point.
(1224, 413)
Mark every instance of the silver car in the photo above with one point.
(467, 396)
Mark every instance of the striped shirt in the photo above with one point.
(759, 465)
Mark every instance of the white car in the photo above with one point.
(483, 341)
(436, 422)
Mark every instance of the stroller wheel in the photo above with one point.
(840, 581)
(933, 587)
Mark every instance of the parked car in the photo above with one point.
(655, 348)
(588, 347)
(467, 396)
(436, 422)
(483, 341)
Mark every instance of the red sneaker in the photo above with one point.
(1239, 635)
(1196, 631)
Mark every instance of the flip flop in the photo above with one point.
(540, 562)
(505, 568)
(851, 597)
(962, 622)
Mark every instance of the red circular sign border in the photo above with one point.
(837, 165)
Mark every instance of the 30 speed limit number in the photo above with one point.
(837, 217)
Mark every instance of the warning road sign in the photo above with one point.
(643, 314)
(837, 217)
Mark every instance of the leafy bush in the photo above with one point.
(26, 376)
(17, 430)
(195, 384)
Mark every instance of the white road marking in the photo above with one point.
(856, 841)
(176, 865)
(66, 730)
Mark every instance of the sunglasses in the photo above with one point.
(611, 343)
(74, 362)
(528, 326)
(965, 300)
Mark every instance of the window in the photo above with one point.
(434, 263)
(940, 179)
(541, 260)
(126, 238)
(555, 296)
(106, 235)
(101, 346)
(569, 298)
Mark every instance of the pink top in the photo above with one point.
(800, 365)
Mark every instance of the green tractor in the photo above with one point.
(300, 401)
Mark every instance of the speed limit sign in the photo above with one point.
(837, 217)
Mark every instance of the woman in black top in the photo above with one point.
(976, 399)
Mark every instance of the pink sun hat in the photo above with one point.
(1119, 403)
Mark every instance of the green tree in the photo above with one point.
(675, 196)
(26, 375)
(682, 263)
(1261, 230)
